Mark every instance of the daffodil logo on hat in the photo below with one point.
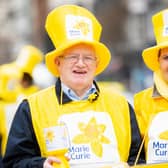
(69, 25)
(160, 26)
(78, 27)
(29, 56)
(83, 26)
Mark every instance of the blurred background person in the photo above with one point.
(16, 82)
(29, 57)
(9, 78)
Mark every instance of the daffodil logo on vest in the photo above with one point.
(78, 27)
(92, 133)
(92, 138)
(158, 139)
(56, 138)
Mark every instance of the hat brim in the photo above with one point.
(150, 56)
(102, 52)
(11, 70)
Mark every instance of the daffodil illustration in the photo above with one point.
(92, 133)
(92, 97)
(83, 26)
(50, 135)
(164, 135)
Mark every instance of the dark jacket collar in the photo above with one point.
(65, 98)
(155, 93)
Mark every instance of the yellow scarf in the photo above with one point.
(161, 84)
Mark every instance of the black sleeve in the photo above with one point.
(0, 152)
(135, 140)
(1, 165)
(22, 147)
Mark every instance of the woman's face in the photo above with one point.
(163, 61)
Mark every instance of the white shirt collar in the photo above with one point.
(72, 95)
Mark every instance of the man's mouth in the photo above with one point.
(79, 72)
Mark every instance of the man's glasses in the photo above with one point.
(75, 58)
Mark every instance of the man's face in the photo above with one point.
(163, 60)
(77, 66)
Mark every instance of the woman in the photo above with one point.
(151, 105)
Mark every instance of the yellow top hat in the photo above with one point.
(69, 25)
(160, 25)
(9, 79)
(28, 58)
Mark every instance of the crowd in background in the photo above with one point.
(127, 33)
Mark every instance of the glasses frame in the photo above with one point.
(74, 58)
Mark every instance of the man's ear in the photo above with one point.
(57, 61)
(97, 63)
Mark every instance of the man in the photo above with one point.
(151, 105)
(101, 125)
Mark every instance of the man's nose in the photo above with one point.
(80, 61)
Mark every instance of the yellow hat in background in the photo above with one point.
(10, 76)
(160, 26)
(69, 25)
(28, 58)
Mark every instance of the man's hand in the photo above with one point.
(49, 162)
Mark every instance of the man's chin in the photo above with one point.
(79, 82)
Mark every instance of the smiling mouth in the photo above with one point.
(80, 72)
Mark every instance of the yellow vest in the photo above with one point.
(152, 116)
(24, 92)
(7, 112)
(99, 131)
(3, 132)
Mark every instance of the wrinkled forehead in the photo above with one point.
(81, 48)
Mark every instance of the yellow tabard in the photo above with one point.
(99, 132)
(152, 115)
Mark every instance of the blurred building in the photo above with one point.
(15, 20)
(127, 30)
